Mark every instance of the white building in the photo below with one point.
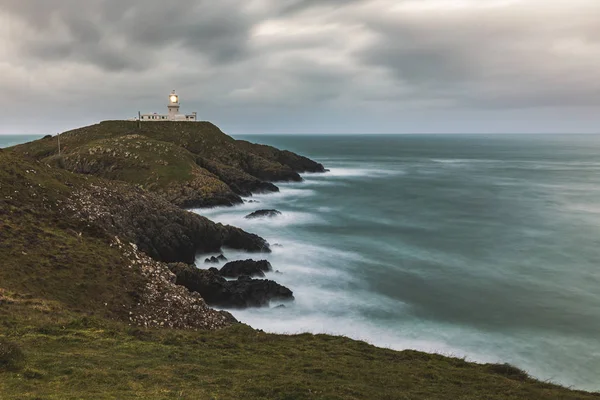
(173, 114)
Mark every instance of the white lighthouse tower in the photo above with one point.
(173, 114)
(173, 105)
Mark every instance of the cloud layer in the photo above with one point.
(305, 65)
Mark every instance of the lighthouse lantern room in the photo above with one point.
(173, 114)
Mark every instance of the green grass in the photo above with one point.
(46, 252)
(70, 357)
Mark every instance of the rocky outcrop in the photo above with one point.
(190, 165)
(250, 268)
(217, 291)
(163, 303)
(294, 161)
(163, 231)
(263, 214)
(238, 180)
(71, 240)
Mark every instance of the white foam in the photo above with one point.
(362, 172)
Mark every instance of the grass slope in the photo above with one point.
(49, 254)
(70, 357)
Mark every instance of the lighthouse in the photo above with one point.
(173, 105)
(173, 113)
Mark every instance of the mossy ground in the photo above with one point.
(49, 253)
(72, 357)
(164, 157)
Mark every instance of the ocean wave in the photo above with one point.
(362, 172)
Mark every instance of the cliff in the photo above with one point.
(90, 309)
(188, 164)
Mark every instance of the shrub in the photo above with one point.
(11, 355)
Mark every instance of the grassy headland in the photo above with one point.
(89, 309)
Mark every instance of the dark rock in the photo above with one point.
(238, 180)
(160, 229)
(263, 213)
(214, 270)
(217, 291)
(47, 137)
(239, 239)
(280, 306)
(247, 267)
(246, 292)
(215, 260)
(294, 162)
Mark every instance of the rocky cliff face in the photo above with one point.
(158, 228)
(188, 164)
(94, 227)
(97, 246)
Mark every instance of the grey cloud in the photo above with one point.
(489, 59)
(297, 58)
(128, 34)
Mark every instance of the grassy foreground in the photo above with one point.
(67, 356)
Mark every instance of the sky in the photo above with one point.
(304, 66)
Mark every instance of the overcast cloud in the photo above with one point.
(304, 66)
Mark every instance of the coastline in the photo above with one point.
(120, 199)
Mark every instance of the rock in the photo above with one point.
(215, 260)
(250, 268)
(160, 229)
(263, 213)
(217, 291)
(248, 292)
(280, 306)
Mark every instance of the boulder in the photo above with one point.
(250, 268)
(221, 257)
(247, 292)
(217, 291)
(263, 214)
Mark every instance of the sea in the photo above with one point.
(485, 247)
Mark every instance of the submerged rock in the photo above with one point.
(263, 213)
(217, 291)
(215, 260)
(250, 268)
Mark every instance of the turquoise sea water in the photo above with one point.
(11, 140)
(480, 246)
